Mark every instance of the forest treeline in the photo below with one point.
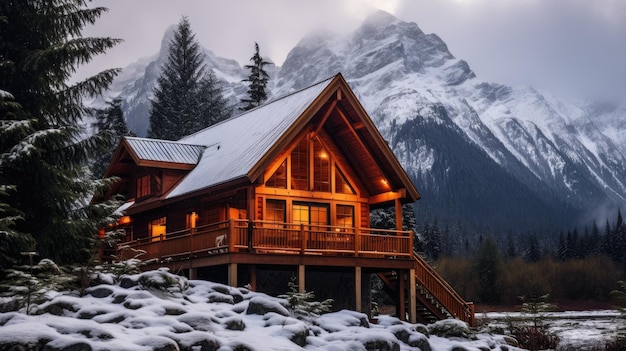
(574, 265)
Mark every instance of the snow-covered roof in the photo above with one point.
(236, 145)
(165, 151)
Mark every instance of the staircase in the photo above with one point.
(436, 299)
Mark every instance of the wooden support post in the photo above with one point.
(357, 289)
(232, 274)
(401, 308)
(253, 277)
(412, 297)
(301, 280)
(398, 214)
(193, 273)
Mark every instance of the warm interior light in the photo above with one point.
(323, 155)
(123, 220)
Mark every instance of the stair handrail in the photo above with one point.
(468, 307)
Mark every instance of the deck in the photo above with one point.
(260, 242)
(270, 237)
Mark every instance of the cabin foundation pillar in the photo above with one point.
(232, 274)
(412, 297)
(193, 273)
(401, 306)
(253, 277)
(357, 288)
(301, 278)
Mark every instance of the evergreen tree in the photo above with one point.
(488, 266)
(14, 128)
(109, 120)
(187, 97)
(533, 251)
(41, 46)
(257, 81)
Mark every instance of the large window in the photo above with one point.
(275, 211)
(157, 228)
(311, 213)
(321, 168)
(344, 216)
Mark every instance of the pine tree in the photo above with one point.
(109, 121)
(41, 46)
(187, 97)
(257, 81)
(14, 128)
(488, 266)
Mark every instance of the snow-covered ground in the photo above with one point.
(132, 313)
(577, 330)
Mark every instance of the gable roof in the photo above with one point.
(239, 143)
(240, 147)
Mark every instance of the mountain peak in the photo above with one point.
(379, 19)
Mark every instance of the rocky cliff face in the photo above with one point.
(482, 153)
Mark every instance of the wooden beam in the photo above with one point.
(326, 115)
(388, 196)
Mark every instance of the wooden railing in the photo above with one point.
(442, 291)
(261, 236)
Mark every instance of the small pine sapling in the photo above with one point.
(302, 305)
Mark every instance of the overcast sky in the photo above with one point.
(569, 47)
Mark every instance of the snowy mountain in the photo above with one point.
(485, 154)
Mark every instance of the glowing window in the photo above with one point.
(279, 178)
(157, 228)
(342, 186)
(191, 220)
(275, 211)
(345, 216)
(321, 168)
(300, 166)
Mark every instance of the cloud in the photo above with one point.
(571, 46)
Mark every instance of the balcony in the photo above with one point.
(271, 237)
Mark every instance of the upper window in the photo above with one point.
(342, 186)
(300, 166)
(279, 178)
(144, 186)
(310, 167)
(321, 168)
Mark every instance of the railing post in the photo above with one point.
(302, 239)
(250, 232)
(231, 235)
(160, 246)
(357, 241)
(191, 243)
(411, 238)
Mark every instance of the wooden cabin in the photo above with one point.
(282, 192)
